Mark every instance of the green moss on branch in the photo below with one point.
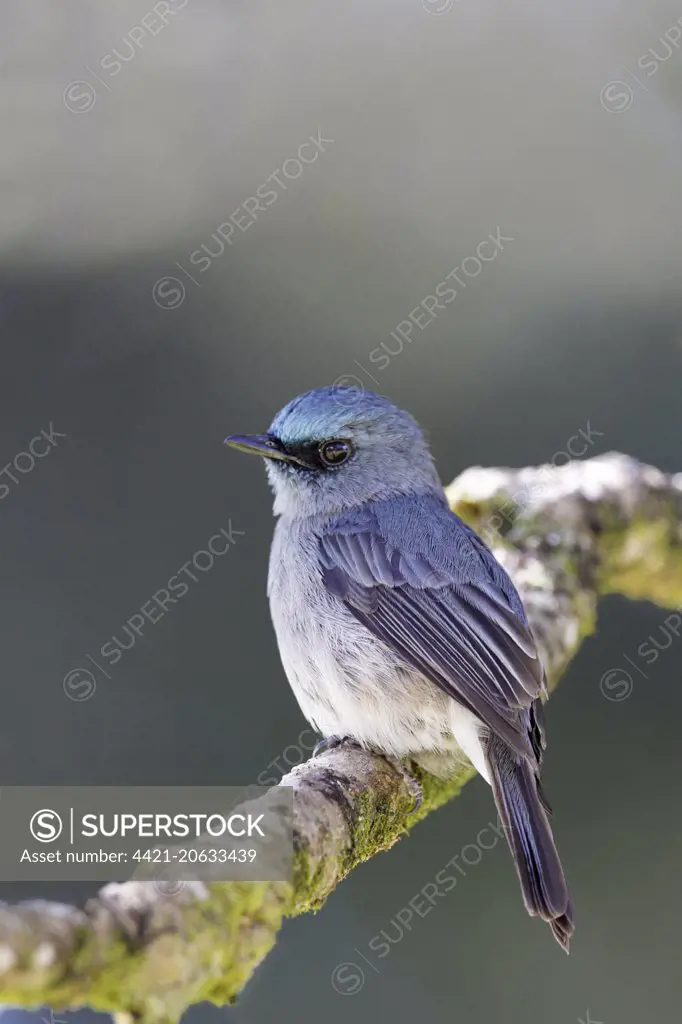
(601, 526)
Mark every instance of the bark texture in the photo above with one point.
(567, 537)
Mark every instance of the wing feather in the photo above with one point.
(453, 614)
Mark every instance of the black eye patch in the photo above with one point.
(318, 455)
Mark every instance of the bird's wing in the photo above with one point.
(451, 613)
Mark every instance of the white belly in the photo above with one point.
(348, 682)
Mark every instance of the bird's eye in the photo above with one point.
(333, 453)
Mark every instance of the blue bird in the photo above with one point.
(397, 627)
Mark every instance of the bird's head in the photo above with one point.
(335, 448)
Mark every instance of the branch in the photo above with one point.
(567, 536)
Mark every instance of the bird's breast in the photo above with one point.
(346, 680)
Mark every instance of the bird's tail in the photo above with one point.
(524, 815)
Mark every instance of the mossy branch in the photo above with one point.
(567, 536)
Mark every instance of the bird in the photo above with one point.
(397, 628)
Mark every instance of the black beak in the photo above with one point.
(267, 445)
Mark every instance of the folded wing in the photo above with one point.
(457, 619)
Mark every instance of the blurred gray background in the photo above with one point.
(558, 124)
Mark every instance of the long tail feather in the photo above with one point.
(523, 814)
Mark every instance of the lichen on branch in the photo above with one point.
(567, 536)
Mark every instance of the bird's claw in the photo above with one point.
(334, 742)
(331, 743)
(409, 780)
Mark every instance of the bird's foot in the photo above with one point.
(334, 742)
(331, 743)
(409, 779)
